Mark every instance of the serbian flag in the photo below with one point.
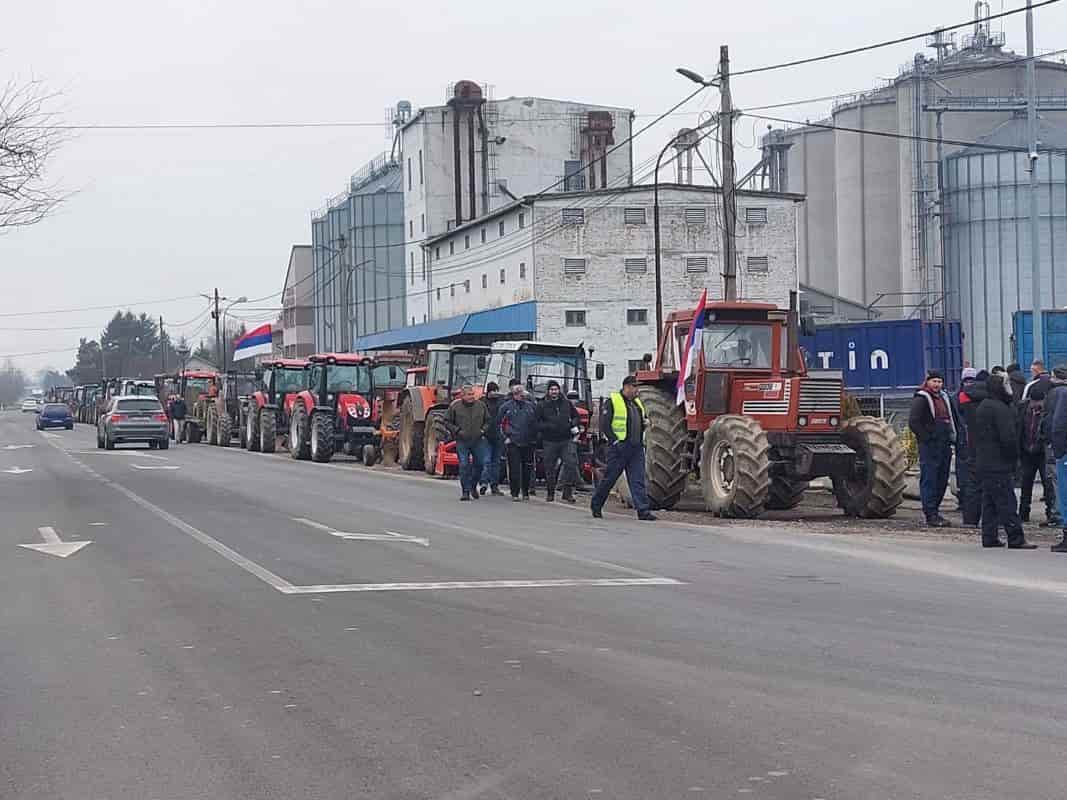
(255, 342)
(692, 342)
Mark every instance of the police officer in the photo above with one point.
(622, 422)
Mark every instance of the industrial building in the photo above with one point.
(579, 267)
(357, 253)
(298, 311)
(474, 155)
(871, 240)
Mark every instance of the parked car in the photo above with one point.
(131, 418)
(55, 415)
(29, 405)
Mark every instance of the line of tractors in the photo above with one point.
(753, 430)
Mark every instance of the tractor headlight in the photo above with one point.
(354, 410)
(834, 421)
(802, 422)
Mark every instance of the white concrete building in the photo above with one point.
(474, 155)
(298, 314)
(580, 267)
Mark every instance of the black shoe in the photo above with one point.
(1062, 546)
(465, 496)
(997, 543)
(936, 522)
(526, 497)
(550, 497)
(1023, 546)
(474, 493)
(483, 489)
(648, 516)
(1024, 516)
(568, 497)
(495, 490)
(597, 513)
(533, 492)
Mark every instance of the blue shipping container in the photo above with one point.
(887, 358)
(1054, 343)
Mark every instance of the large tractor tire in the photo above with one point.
(665, 442)
(735, 467)
(434, 434)
(409, 441)
(268, 430)
(225, 430)
(785, 493)
(299, 434)
(877, 491)
(321, 443)
(252, 429)
(211, 425)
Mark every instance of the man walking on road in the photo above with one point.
(177, 415)
(932, 420)
(557, 422)
(998, 453)
(491, 471)
(622, 422)
(468, 420)
(516, 423)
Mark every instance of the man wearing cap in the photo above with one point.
(972, 392)
(622, 422)
(933, 421)
(557, 423)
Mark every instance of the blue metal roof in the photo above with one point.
(517, 318)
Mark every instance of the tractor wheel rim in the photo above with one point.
(723, 471)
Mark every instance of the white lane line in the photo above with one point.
(507, 584)
(19, 446)
(49, 535)
(387, 536)
(160, 466)
(17, 471)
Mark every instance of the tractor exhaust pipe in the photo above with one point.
(793, 332)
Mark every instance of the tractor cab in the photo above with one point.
(449, 367)
(131, 386)
(537, 363)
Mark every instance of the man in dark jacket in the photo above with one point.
(491, 471)
(468, 420)
(1033, 449)
(1017, 381)
(622, 423)
(1058, 437)
(177, 415)
(557, 423)
(933, 421)
(515, 419)
(998, 452)
(971, 393)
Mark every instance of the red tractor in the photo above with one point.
(265, 415)
(335, 410)
(756, 427)
(424, 440)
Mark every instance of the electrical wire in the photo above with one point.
(109, 307)
(887, 43)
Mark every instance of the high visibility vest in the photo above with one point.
(618, 414)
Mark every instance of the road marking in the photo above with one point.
(508, 584)
(17, 471)
(387, 536)
(19, 446)
(160, 466)
(53, 545)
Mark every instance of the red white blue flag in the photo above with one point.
(692, 343)
(255, 342)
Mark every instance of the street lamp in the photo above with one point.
(225, 347)
(182, 352)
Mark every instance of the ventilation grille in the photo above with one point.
(756, 216)
(758, 264)
(572, 216)
(820, 395)
(696, 216)
(636, 264)
(633, 216)
(574, 266)
(769, 406)
(696, 264)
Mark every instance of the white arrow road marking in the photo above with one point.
(51, 436)
(54, 546)
(161, 466)
(19, 446)
(387, 536)
(17, 471)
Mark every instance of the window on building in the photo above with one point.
(412, 320)
(412, 274)
(636, 264)
(423, 317)
(572, 216)
(637, 316)
(696, 215)
(467, 286)
(420, 167)
(467, 242)
(409, 174)
(633, 216)
(437, 253)
(756, 216)
(438, 292)
(574, 266)
(573, 176)
(412, 259)
(634, 365)
(696, 264)
(502, 227)
(758, 264)
(503, 276)
(411, 229)
(452, 248)
(485, 281)
(522, 270)
(452, 290)
(424, 265)
(574, 319)
(483, 235)
(422, 223)
(522, 220)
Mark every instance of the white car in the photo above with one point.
(29, 405)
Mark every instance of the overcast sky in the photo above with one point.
(163, 214)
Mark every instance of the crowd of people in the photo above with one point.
(1004, 429)
(495, 429)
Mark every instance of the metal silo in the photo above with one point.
(987, 234)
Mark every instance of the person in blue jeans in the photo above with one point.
(468, 420)
(490, 479)
(1058, 437)
(935, 425)
(622, 422)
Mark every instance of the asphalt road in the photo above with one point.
(220, 638)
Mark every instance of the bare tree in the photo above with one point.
(29, 138)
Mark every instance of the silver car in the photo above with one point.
(132, 418)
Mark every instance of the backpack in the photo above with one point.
(1031, 426)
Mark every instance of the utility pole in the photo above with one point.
(162, 347)
(218, 330)
(1031, 125)
(729, 201)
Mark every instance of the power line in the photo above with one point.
(109, 307)
(888, 43)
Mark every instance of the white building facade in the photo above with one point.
(298, 313)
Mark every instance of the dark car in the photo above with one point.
(133, 419)
(55, 415)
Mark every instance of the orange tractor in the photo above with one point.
(755, 427)
(390, 376)
(423, 440)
